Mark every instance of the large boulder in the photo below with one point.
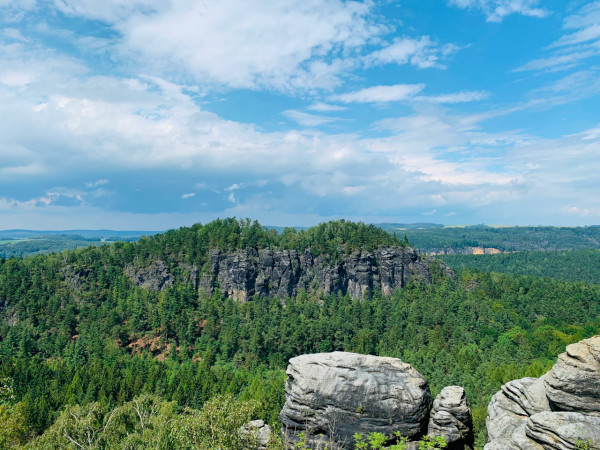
(513, 404)
(332, 396)
(559, 411)
(563, 430)
(451, 418)
(573, 384)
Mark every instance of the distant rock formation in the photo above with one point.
(281, 273)
(559, 411)
(259, 434)
(332, 396)
(154, 277)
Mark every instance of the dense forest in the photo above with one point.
(17, 243)
(426, 237)
(505, 239)
(568, 265)
(105, 354)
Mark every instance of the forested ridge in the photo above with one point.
(93, 351)
(504, 239)
(567, 265)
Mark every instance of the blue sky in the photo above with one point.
(154, 114)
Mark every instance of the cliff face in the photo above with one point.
(283, 273)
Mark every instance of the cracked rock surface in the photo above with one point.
(559, 411)
(331, 396)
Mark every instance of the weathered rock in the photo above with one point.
(451, 418)
(331, 396)
(564, 430)
(513, 404)
(573, 384)
(258, 432)
(281, 273)
(556, 411)
(154, 277)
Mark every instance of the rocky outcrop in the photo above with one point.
(573, 384)
(258, 433)
(154, 277)
(451, 418)
(281, 273)
(332, 396)
(559, 411)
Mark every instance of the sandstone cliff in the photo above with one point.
(281, 273)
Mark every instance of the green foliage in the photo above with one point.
(7, 394)
(377, 441)
(149, 422)
(13, 431)
(569, 265)
(583, 445)
(78, 336)
(509, 239)
(429, 442)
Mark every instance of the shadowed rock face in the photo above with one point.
(281, 273)
(555, 411)
(451, 418)
(155, 277)
(331, 396)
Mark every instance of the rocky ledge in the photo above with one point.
(332, 396)
(558, 411)
(281, 273)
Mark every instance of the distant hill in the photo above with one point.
(17, 243)
(566, 265)
(430, 238)
(481, 239)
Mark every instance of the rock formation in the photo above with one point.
(154, 277)
(451, 418)
(558, 411)
(281, 273)
(332, 396)
(258, 432)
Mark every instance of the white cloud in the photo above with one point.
(286, 45)
(381, 94)
(325, 107)
(574, 47)
(423, 53)
(97, 183)
(497, 10)
(189, 195)
(66, 120)
(306, 119)
(459, 97)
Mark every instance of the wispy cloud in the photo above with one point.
(188, 195)
(381, 94)
(308, 120)
(97, 183)
(459, 97)
(423, 53)
(497, 10)
(574, 47)
(325, 107)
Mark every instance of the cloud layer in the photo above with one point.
(137, 121)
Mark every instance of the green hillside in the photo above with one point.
(568, 265)
(77, 353)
